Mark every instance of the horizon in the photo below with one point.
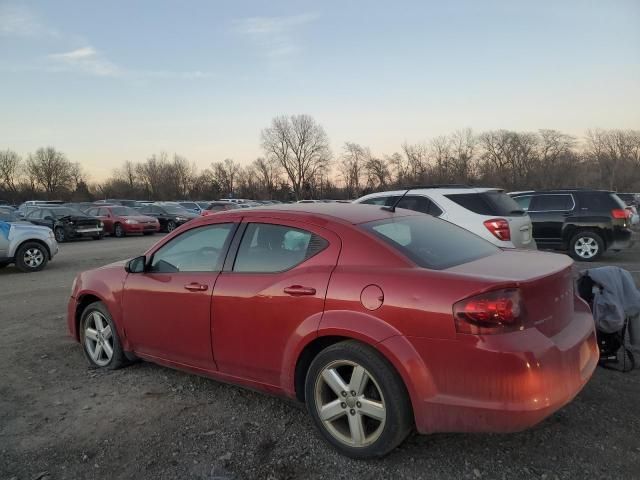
(203, 80)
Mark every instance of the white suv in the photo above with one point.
(488, 212)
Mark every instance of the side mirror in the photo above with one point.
(136, 265)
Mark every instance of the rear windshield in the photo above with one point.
(431, 242)
(491, 203)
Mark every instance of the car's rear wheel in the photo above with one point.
(171, 226)
(586, 246)
(59, 234)
(118, 231)
(31, 257)
(357, 400)
(100, 339)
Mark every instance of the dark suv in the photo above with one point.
(584, 222)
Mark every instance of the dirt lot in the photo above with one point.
(59, 419)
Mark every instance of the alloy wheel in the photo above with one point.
(59, 234)
(98, 338)
(171, 226)
(33, 257)
(350, 403)
(586, 247)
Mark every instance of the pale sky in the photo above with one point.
(106, 82)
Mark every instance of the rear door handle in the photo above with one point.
(299, 290)
(196, 287)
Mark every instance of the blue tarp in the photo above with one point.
(4, 229)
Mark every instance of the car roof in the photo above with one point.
(350, 213)
(440, 190)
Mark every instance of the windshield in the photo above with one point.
(65, 212)
(124, 211)
(431, 242)
(8, 216)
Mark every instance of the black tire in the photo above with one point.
(31, 257)
(586, 246)
(118, 231)
(118, 358)
(398, 420)
(59, 234)
(171, 226)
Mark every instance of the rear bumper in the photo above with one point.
(504, 383)
(621, 239)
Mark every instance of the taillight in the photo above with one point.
(620, 213)
(499, 227)
(489, 313)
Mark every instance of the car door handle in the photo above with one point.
(299, 290)
(196, 287)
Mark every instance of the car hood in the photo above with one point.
(27, 226)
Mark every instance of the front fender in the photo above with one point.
(107, 295)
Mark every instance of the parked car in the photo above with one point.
(27, 246)
(585, 222)
(219, 206)
(66, 223)
(25, 208)
(194, 207)
(380, 321)
(488, 212)
(120, 221)
(169, 216)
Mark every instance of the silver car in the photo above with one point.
(29, 246)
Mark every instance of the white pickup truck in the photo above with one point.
(29, 246)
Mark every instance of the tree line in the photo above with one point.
(298, 163)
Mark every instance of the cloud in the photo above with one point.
(18, 21)
(274, 35)
(88, 60)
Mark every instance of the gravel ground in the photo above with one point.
(60, 419)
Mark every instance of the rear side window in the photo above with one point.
(491, 203)
(417, 203)
(375, 201)
(431, 242)
(524, 202)
(268, 248)
(551, 203)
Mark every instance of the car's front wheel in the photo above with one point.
(171, 226)
(31, 257)
(586, 246)
(118, 231)
(59, 234)
(357, 400)
(100, 339)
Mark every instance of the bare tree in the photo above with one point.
(225, 174)
(377, 173)
(417, 160)
(50, 169)
(351, 166)
(300, 145)
(153, 175)
(183, 174)
(10, 166)
(269, 172)
(463, 146)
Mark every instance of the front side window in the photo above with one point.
(197, 250)
(431, 242)
(551, 203)
(267, 248)
(34, 214)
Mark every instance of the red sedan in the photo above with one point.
(120, 220)
(380, 321)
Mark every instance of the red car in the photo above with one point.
(120, 220)
(380, 321)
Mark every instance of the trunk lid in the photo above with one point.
(544, 279)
